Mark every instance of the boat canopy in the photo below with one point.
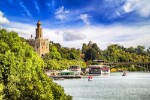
(67, 72)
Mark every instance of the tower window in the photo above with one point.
(37, 47)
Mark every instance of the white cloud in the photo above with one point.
(73, 35)
(61, 17)
(3, 20)
(128, 7)
(102, 35)
(61, 13)
(128, 36)
(36, 6)
(85, 18)
(24, 8)
(141, 7)
(105, 35)
(24, 30)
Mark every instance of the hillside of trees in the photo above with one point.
(60, 58)
(115, 53)
(22, 74)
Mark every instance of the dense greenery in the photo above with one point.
(91, 52)
(21, 72)
(116, 53)
(1, 91)
(55, 64)
(60, 58)
(64, 52)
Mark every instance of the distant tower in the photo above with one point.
(90, 44)
(31, 36)
(41, 45)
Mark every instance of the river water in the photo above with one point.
(134, 86)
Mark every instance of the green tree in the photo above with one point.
(54, 53)
(1, 91)
(140, 50)
(84, 48)
(90, 54)
(22, 72)
(74, 54)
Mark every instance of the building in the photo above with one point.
(76, 69)
(98, 69)
(90, 44)
(101, 62)
(40, 45)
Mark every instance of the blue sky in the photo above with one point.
(74, 22)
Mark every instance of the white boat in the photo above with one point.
(89, 79)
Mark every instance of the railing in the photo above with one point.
(127, 63)
(145, 65)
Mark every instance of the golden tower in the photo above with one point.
(41, 45)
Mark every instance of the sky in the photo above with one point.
(74, 22)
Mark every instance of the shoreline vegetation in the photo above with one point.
(22, 71)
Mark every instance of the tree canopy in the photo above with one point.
(116, 53)
(60, 58)
(22, 74)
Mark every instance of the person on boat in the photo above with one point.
(90, 78)
(124, 74)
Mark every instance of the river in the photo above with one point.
(134, 86)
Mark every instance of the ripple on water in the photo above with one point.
(134, 86)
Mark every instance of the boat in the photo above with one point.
(89, 79)
(58, 78)
(67, 76)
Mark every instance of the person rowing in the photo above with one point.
(124, 74)
(90, 78)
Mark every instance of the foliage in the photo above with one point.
(1, 91)
(117, 53)
(84, 48)
(91, 52)
(21, 72)
(60, 58)
(56, 51)
(55, 64)
(66, 53)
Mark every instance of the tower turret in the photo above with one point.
(39, 33)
